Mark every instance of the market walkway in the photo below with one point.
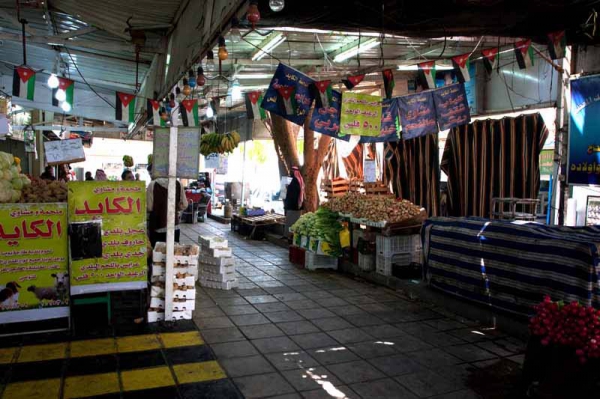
(290, 333)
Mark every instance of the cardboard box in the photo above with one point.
(184, 294)
(221, 286)
(217, 269)
(223, 261)
(185, 282)
(154, 316)
(157, 303)
(182, 315)
(155, 279)
(217, 277)
(157, 292)
(158, 270)
(185, 305)
(218, 252)
(212, 242)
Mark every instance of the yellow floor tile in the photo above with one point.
(174, 340)
(91, 385)
(33, 389)
(38, 353)
(6, 355)
(198, 372)
(156, 377)
(93, 347)
(137, 343)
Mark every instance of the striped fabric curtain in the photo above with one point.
(492, 158)
(412, 168)
(331, 168)
(354, 163)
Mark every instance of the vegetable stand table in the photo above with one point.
(242, 224)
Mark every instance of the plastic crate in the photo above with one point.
(297, 256)
(366, 263)
(384, 263)
(313, 261)
(388, 246)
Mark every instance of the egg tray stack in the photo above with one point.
(217, 265)
(185, 274)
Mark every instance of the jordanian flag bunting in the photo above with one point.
(323, 93)
(153, 108)
(524, 53)
(490, 58)
(557, 44)
(125, 108)
(189, 113)
(286, 99)
(352, 81)
(24, 83)
(68, 86)
(388, 83)
(427, 72)
(253, 108)
(461, 67)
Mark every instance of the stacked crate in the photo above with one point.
(217, 265)
(185, 273)
(402, 250)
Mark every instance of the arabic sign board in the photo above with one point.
(584, 140)
(33, 262)
(326, 120)
(451, 106)
(361, 114)
(64, 151)
(188, 152)
(390, 123)
(211, 161)
(546, 162)
(417, 115)
(370, 174)
(121, 206)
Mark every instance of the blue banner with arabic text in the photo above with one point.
(451, 106)
(327, 120)
(390, 123)
(417, 115)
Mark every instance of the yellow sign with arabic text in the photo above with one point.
(360, 114)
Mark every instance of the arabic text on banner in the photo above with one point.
(299, 83)
(451, 106)
(584, 140)
(122, 208)
(33, 256)
(417, 115)
(326, 120)
(188, 150)
(361, 114)
(390, 123)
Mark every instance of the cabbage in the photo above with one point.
(6, 175)
(17, 183)
(5, 185)
(14, 172)
(26, 181)
(4, 160)
(15, 196)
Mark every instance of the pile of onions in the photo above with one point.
(376, 208)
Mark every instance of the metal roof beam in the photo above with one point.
(75, 33)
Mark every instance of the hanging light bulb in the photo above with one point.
(210, 60)
(191, 79)
(60, 95)
(172, 102)
(234, 35)
(186, 90)
(253, 14)
(179, 95)
(65, 106)
(167, 104)
(276, 5)
(200, 78)
(53, 81)
(223, 53)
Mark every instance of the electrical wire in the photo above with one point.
(86, 82)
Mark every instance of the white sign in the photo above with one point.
(370, 174)
(64, 151)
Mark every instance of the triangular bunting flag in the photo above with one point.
(286, 98)
(253, 108)
(323, 93)
(189, 113)
(352, 81)
(388, 82)
(24, 83)
(461, 67)
(427, 72)
(557, 44)
(153, 108)
(524, 53)
(490, 58)
(125, 107)
(68, 86)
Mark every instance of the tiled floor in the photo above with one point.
(291, 333)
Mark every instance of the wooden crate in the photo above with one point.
(356, 186)
(376, 189)
(335, 188)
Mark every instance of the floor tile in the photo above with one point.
(463, 394)
(213, 311)
(312, 314)
(303, 304)
(426, 383)
(90, 385)
(133, 360)
(243, 366)
(174, 340)
(360, 300)
(371, 349)
(383, 331)
(276, 344)
(168, 392)
(188, 354)
(314, 340)
(231, 301)
(331, 323)
(445, 324)
(249, 319)
(363, 320)
(331, 301)
(91, 365)
(496, 348)
(350, 335)
(407, 343)
(298, 327)
(39, 370)
(234, 349)
(396, 365)
(290, 297)
(93, 347)
(311, 378)
(40, 353)
(198, 372)
(271, 307)
(34, 389)
(218, 389)
(382, 389)
(280, 317)
(146, 378)
(239, 310)
(318, 295)
(469, 352)
(340, 354)
(375, 308)
(218, 335)
(357, 371)
(262, 331)
(433, 358)
(344, 293)
(291, 360)
(346, 310)
(263, 385)
(331, 392)
(440, 339)
(213, 322)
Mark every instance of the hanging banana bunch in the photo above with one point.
(219, 143)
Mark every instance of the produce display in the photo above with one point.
(128, 161)
(305, 225)
(43, 191)
(11, 179)
(376, 208)
(212, 143)
(322, 225)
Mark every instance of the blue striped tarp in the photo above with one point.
(511, 266)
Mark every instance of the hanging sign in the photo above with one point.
(34, 268)
(390, 123)
(584, 141)
(289, 94)
(361, 114)
(64, 151)
(370, 171)
(188, 152)
(120, 209)
(451, 106)
(326, 120)
(417, 115)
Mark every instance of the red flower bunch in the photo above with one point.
(571, 325)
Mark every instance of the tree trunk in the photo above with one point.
(285, 136)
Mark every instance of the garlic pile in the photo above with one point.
(376, 208)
